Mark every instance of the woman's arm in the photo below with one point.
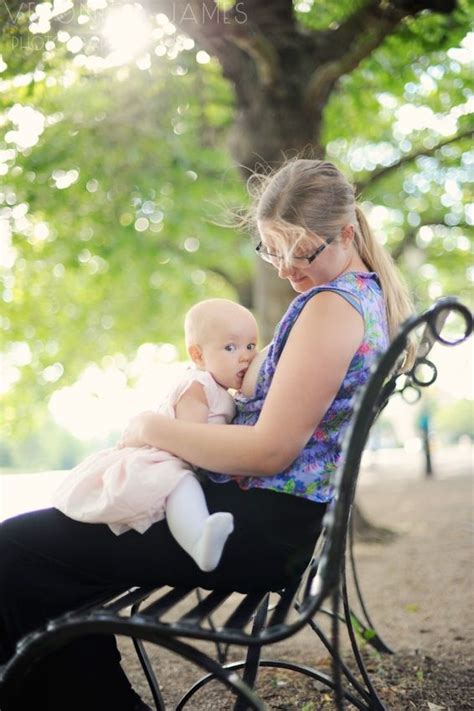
(312, 366)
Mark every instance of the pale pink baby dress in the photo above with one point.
(127, 488)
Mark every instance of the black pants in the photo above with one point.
(50, 564)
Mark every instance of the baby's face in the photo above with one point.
(230, 348)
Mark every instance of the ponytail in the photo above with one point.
(398, 303)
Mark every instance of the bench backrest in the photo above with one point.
(384, 381)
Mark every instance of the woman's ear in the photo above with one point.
(347, 234)
(195, 353)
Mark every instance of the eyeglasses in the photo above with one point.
(276, 259)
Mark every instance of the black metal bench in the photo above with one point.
(156, 615)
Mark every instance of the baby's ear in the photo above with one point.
(195, 354)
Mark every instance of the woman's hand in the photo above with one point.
(133, 434)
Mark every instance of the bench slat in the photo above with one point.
(285, 604)
(205, 607)
(166, 602)
(131, 598)
(244, 611)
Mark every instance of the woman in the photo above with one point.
(278, 456)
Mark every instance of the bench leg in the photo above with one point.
(253, 653)
(375, 701)
(149, 674)
(375, 639)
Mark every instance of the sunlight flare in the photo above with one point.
(128, 32)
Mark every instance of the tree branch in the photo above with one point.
(376, 12)
(243, 287)
(263, 54)
(407, 241)
(358, 36)
(362, 45)
(410, 236)
(410, 157)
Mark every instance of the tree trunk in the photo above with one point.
(256, 143)
(272, 124)
(368, 532)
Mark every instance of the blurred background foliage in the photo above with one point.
(116, 180)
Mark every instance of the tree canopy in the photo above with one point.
(121, 155)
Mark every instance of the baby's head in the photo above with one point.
(221, 337)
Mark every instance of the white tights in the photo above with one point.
(201, 535)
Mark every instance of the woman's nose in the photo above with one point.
(284, 270)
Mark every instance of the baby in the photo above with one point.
(133, 487)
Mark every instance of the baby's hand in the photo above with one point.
(132, 436)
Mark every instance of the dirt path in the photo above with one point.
(419, 590)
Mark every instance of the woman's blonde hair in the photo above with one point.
(313, 195)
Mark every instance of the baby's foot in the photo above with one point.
(209, 546)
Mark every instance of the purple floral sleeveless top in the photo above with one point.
(311, 474)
